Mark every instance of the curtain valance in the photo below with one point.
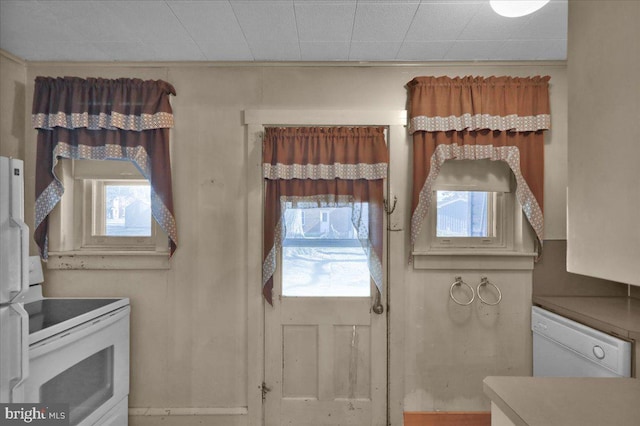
(476, 103)
(100, 119)
(497, 118)
(325, 153)
(98, 103)
(311, 167)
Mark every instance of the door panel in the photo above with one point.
(325, 361)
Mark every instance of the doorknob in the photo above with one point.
(377, 307)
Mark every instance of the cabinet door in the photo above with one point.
(604, 105)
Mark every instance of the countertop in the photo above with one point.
(614, 315)
(561, 401)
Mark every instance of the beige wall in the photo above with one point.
(550, 276)
(189, 324)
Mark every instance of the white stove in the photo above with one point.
(68, 351)
(78, 355)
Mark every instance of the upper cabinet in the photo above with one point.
(604, 140)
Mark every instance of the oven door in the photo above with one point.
(86, 367)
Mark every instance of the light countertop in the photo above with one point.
(560, 401)
(614, 315)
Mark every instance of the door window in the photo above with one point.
(322, 255)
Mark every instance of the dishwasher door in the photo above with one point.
(565, 348)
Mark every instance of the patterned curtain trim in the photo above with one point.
(508, 154)
(467, 121)
(137, 155)
(102, 121)
(325, 171)
(325, 200)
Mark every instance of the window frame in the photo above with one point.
(514, 234)
(70, 225)
(93, 216)
(496, 220)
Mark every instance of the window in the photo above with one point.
(118, 213)
(473, 209)
(468, 218)
(104, 220)
(321, 254)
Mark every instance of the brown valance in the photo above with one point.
(324, 167)
(497, 118)
(100, 119)
(325, 153)
(476, 103)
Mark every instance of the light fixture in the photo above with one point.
(516, 8)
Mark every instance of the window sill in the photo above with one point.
(107, 259)
(477, 260)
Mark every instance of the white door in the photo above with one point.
(325, 347)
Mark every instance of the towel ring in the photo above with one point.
(484, 281)
(459, 281)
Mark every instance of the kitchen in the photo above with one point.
(196, 322)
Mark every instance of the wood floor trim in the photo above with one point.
(447, 418)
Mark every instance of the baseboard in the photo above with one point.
(447, 418)
(231, 416)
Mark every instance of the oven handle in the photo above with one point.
(24, 350)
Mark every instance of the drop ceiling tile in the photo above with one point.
(90, 20)
(441, 21)
(125, 51)
(144, 20)
(488, 25)
(473, 50)
(208, 22)
(516, 50)
(324, 51)
(173, 51)
(223, 51)
(263, 21)
(383, 21)
(325, 21)
(373, 50)
(423, 51)
(265, 50)
(32, 21)
(550, 22)
(553, 50)
(55, 51)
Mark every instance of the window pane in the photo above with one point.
(322, 256)
(127, 210)
(463, 214)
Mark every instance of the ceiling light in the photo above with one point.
(516, 8)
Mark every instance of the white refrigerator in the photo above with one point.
(14, 282)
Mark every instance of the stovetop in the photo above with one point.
(47, 313)
(50, 316)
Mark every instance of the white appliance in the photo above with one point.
(566, 348)
(72, 351)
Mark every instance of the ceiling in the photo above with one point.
(278, 30)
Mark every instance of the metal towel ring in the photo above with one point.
(459, 281)
(485, 281)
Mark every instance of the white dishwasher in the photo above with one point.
(565, 348)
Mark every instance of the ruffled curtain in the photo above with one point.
(324, 167)
(497, 118)
(100, 119)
